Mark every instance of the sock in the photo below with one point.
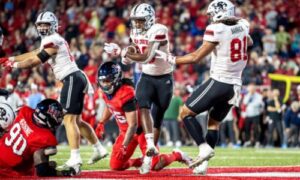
(212, 137)
(97, 146)
(164, 161)
(75, 154)
(149, 139)
(135, 162)
(194, 128)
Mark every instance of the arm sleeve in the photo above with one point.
(130, 105)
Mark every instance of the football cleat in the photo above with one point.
(206, 152)
(201, 169)
(97, 156)
(184, 157)
(146, 166)
(74, 164)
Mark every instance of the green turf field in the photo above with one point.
(224, 157)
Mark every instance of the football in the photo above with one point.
(132, 49)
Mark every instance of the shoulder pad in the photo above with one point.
(217, 28)
(126, 93)
(51, 41)
(158, 32)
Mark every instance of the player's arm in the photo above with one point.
(196, 56)
(148, 53)
(36, 59)
(24, 56)
(105, 115)
(131, 117)
(45, 168)
(249, 40)
(100, 127)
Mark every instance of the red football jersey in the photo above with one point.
(23, 139)
(116, 103)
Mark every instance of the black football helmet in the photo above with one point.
(48, 113)
(109, 77)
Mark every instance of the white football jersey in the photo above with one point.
(229, 58)
(63, 63)
(157, 33)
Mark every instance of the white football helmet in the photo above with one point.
(7, 116)
(142, 12)
(47, 18)
(220, 10)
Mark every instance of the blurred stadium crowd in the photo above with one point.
(87, 24)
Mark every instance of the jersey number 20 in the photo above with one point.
(238, 49)
(16, 140)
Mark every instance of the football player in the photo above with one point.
(119, 96)
(55, 50)
(155, 87)
(30, 140)
(227, 39)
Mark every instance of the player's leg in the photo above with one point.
(99, 152)
(125, 163)
(67, 98)
(206, 96)
(216, 115)
(163, 160)
(145, 92)
(164, 93)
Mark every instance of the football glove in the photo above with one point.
(100, 130)
(168, 57)
(112, 48)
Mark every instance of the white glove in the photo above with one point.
(124, 59)
(123, 52)
(112, 48)
(166, 57)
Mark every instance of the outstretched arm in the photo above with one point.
(29, 60)
(198, 55)
(24, 56)
(36, 59)
(194, 57)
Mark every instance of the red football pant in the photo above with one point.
(158, 162)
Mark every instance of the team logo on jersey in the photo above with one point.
(2, 115)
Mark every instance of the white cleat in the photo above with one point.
(206, 152)
(201, 169)
(146, 166)
(72, 163)
(97, 156)
(184, 157)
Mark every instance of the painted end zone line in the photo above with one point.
(289, 172)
